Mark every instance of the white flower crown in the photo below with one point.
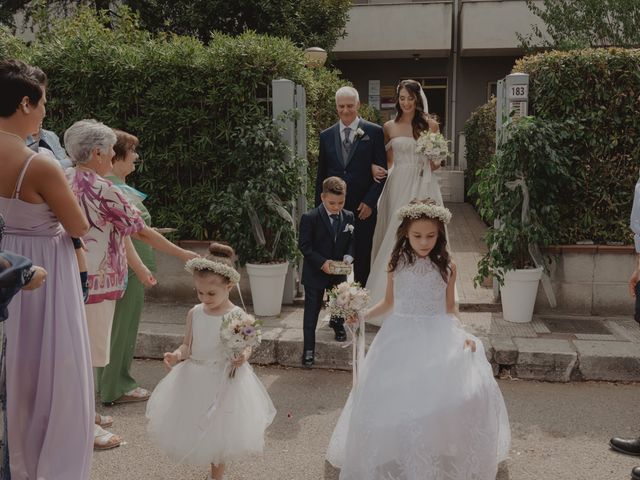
(429, 210)
(204, 264)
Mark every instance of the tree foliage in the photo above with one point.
(592, 98)
(522, 187)
(307, 23)
(201, 112)
(480, 142)
(571, 24)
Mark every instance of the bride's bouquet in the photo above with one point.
(238, 331)
(347, 300)
(433, 145)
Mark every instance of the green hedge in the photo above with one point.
(595, 94)
(480, 142)
(199, 111)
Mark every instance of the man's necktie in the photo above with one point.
(347, 139)
(335, 224)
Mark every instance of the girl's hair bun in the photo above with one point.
(220, 250)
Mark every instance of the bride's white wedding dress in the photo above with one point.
(409, 178)
(424, 407)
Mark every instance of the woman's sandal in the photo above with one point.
(138, 394)
(104, 440)
(103, 420)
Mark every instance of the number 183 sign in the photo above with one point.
(518, 92)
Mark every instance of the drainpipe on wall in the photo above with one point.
(454, 81)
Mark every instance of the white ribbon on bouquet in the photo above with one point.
(357, 344)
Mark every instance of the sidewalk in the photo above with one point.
(551, 348)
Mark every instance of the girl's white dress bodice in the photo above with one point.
(424, 408)
(206, 346)
(410, 178)
(197, 414)
(420, 291)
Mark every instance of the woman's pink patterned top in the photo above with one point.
(111, 218)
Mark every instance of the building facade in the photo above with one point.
(457, 49)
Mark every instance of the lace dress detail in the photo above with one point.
(424, 408)
(419, 289)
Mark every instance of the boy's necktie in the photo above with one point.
(335, 224)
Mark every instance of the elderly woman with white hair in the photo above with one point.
(112, 220)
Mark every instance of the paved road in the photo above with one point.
(560, 430)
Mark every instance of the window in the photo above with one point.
(436, 90)
(492, 89)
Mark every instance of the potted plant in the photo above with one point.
(255, 215)
(517, 191)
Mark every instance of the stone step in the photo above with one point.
(551, 348)
(162, 329)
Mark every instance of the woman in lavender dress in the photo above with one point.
(48, 366)
(16, 273)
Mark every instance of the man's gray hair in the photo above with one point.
(84, 136)
(347, 92)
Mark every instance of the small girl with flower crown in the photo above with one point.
(210, 408)
(426, 405)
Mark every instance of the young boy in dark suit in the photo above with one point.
(326, 235)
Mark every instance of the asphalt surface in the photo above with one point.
(560, 431)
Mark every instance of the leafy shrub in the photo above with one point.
(594, 97)
(198, 110)
(528, 173)
(480, 141)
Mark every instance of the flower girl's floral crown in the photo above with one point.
(204, 264)
(428, 210)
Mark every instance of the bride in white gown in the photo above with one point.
(409, 176)
(426, 405)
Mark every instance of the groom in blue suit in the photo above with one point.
(347, 150)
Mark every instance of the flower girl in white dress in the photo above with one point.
(426, 406)
(197, 414)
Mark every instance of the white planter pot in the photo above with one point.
(267, 287)
(519, 294)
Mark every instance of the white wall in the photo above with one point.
(395, 31)
(490, 26)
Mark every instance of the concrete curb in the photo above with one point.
(277, 348)
(551, 360)
(514, 350)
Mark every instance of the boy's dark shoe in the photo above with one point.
(626, 446)
(307, 359)
(338, 327)
(635, 473)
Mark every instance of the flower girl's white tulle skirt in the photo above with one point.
(178, 420)
(424, 408)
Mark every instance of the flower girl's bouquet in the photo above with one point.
(238, 331)
(348, 300)
(433, 145)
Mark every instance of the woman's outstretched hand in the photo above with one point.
(187, 255)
